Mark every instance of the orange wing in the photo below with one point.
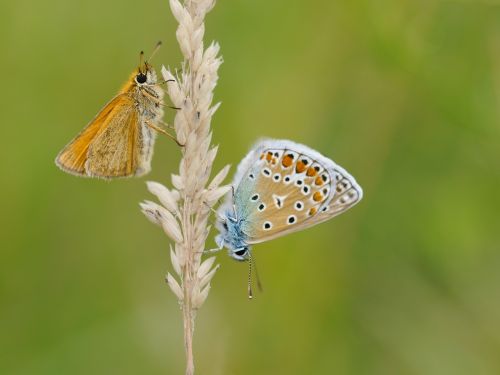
(114, 126)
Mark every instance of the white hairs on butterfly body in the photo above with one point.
(268, 175)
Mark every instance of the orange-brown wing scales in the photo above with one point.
(73, 157)
(292, 188)
(113, 152)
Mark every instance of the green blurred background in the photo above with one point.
(403, 94)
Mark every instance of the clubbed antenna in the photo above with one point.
(141, 61)
(251, 263)
(157, 47)
(250, 293)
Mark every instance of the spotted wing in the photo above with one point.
(288, 187)
(347, 193)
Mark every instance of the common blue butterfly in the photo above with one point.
(281, 187)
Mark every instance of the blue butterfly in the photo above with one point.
(281, 187)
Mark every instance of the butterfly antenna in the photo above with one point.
(157, 47)
(141, 60)
(250, 293)
(259, 284)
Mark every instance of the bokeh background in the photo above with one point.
(404, 94)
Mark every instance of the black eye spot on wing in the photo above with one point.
(291, 219)
(267, 225)
(279, 202)
(254, 197)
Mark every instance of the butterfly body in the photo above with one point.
(282, 187)
(119, 141)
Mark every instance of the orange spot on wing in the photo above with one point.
(312, 211)
(269, 156)
(318, 181)
(287, 161)
(311, 172)
(300, 167)
(317, 197)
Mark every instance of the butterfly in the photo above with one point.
(281, 187)
(119, 141)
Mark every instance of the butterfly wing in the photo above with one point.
(114, 151)
(108, 146)
(284, 187)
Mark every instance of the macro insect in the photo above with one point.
(281, 187)
(119, 141)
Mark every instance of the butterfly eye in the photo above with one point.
(141, 78)
(241, 252)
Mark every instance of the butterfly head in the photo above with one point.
(240, 254)
(145, 75)
(231, 236)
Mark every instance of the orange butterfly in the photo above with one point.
(119, 141)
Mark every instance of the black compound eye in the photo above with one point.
(241, 252)
(141, 78)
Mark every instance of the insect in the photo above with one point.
(281, 187)
(119, 141)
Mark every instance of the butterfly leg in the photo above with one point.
(156, 100)
(221, 218)
(160, 130)
(163, 82)
(168, 126)
(214, 250)
(167, 81)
